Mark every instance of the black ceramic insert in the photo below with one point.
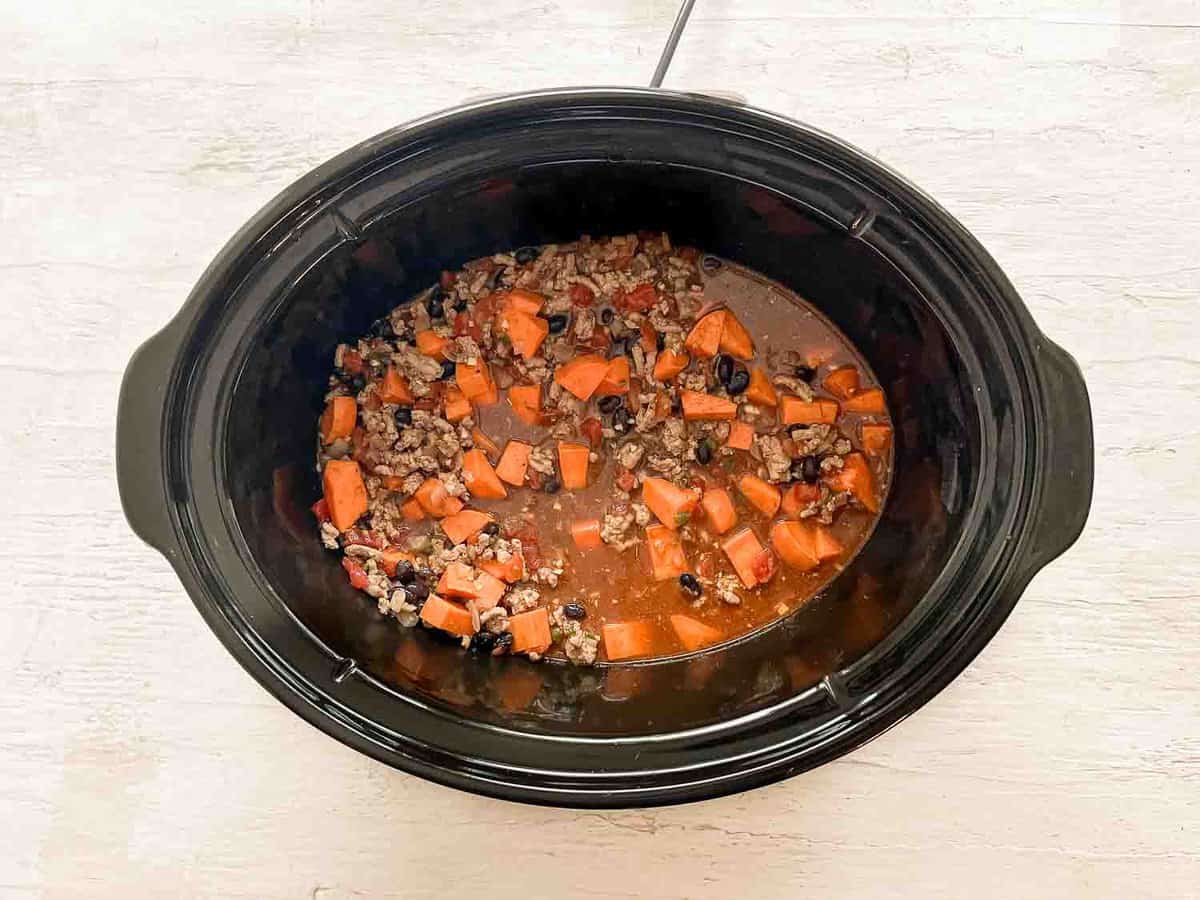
(993, 444)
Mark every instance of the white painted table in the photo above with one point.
(138, 760)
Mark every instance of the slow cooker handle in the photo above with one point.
(140, 439)
(1068, 461)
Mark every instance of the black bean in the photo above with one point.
(806, 469)
(606, 315)
(459, 305)
(621, 419)
(418, 591)
(405, 573)
(436, 304)
(574, 611)
(552, 486)
(403, 415)
(504, 643)
(382, 328)
(676, 405)
(448, 368)
(558, 323)
(494, 277)
(690, 583)
(357, 383)
(704, 452)
(724, 369)
(805, 373)
(609, 404)
(482, 642)
(526, 255)
(492, 528)
(709, 263)
(660, 341)
(738, 382)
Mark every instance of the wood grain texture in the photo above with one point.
(139, 760)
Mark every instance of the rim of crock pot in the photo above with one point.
(325, 708)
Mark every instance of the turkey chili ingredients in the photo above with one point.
(599, 450)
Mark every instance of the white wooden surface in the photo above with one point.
(137, 760)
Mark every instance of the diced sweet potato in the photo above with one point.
(624, 640)
(480, 478)
(412, 510)
(796, 544)
(526, 402)
(798, 496)
(524, 301)
(514, 463)
(430, 343)
(488, 590)
(457, 581)
(744, 551)
(794, 411)
(573, 465)
(448, 616)
(692, 633)
(339, 419)
(525, 331)
(664, 552)
(842, 382)
(698, 407)
(530, 631)
(511, 571)
(876, 438)
(484, 443)
(435, 500)
(473, 379)
(761, 392)
(828, 546)
(345, 492)
(582, 375)
(704, 340)
(465, 525)
(760, 494)
(855, 476)
(586, 533)
(668, 364)
(616, 379)
(670, 503)
(741, 436)
(718, 509)
(395, 388)
(458, 407)
(869, 402)
(735, 339)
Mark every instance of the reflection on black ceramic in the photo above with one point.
(984, 449)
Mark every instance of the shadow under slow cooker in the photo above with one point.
(932, 394)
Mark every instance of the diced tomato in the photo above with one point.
(352, 362)
(582, 295)
(358, 575)
(426, 403)
(354, 536)
(649, 337)
(446, 280)
(764, 566)
(599, 341)
(640, 299)
(373, 402)
(626, 481)
(698, 481)
(592, 430)
(320, 509)
(465, 325)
